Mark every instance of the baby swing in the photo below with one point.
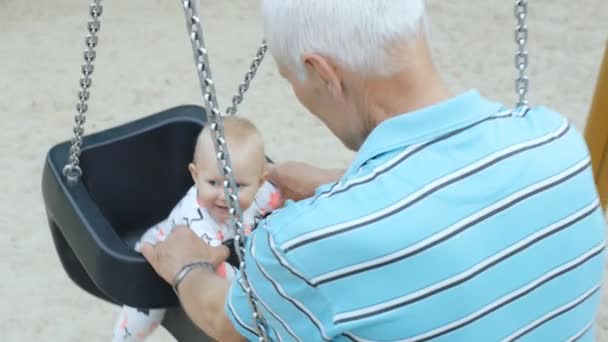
(96, 216)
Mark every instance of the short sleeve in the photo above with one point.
(238, 311)
(292, 308)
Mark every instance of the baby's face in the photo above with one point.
(249, 174)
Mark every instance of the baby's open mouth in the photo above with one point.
(221, 207)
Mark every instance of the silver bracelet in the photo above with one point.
(181, 274)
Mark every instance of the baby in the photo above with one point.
(204, 209)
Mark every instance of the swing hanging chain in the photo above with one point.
(244, 86)
(217, 129)
(522, 82)
(72, 170)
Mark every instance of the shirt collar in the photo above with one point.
(409, 128)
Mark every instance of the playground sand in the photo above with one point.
(145, 65)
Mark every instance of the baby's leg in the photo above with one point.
(136, 324)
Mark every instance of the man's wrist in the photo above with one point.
(185, 270)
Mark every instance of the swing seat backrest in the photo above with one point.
(133, 175)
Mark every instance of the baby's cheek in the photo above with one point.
(244, 204)
(245, 199)
(203, 197)
(201, 203)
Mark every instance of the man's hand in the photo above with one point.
(182, 246)
(298, 181)
(202, 294)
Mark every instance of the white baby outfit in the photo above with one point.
(135, 324)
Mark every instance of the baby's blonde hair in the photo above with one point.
(238, 132)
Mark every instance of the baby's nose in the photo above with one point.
(219, 196)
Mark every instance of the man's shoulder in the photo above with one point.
(369, 193)
(543, 117)
(293, 216)
(331, 205)
(546, 118)
(296, 218)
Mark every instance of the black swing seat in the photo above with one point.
(133, 175)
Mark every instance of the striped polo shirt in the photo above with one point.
(461, 221)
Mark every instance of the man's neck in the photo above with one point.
(403, 94)
(417, 86)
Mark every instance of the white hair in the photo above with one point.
(357, 34)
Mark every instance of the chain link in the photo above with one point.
(72, 170)
(244, 86)
(522, 82)
(230, 190)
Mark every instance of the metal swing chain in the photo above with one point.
(522, 82)
(244, 86)
(217, 129)
(72, 170)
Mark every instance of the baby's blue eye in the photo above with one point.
(215, 183)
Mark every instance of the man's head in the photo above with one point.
(246, 148)
(341, 57)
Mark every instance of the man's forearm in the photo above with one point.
(327, 176)
(334, 175)
(204, 304)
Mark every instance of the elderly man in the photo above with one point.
(458, 220)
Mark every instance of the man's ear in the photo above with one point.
(326, 71)
(193, 172)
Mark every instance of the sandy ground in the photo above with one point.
(145, 65)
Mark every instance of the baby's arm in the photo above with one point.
(267, 199)
(161, 230)
(154, 234)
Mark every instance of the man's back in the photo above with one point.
(460, 222)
